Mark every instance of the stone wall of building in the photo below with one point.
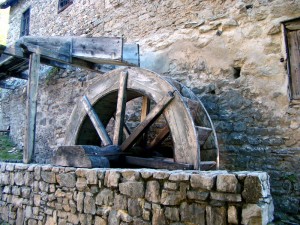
(230, 53)
(35, 194)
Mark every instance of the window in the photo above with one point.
(25, 23)
(292, 37)
(63, 4)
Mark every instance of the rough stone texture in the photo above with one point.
(227, 183)
(153, 191)
(131, 202)
(233, 215)
(232, 55)
(132, 189)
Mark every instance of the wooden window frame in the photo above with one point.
(25, 23)
(291, 26)
(60, 9)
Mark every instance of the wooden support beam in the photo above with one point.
(2, 48)
(96, 122)
(157, 163)
(6, 86)
(162, 135)
(32, 90)
(121, 107)
(22, 75)
(150, 119)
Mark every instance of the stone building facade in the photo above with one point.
(232, 54)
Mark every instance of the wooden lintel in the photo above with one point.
(31, 107)
(96, 122)
(157, 164)
(150, 119)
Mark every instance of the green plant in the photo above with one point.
(6, 146)
(51, 74)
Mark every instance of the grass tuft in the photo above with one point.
(8, 150)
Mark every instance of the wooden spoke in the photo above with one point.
(126, 130)
(144, 113)
(149, 120)
(96, 121)
(163, 134)
(120, 112)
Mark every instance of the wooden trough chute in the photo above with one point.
(191, 130)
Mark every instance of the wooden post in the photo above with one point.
(96, 122)
(120, 112)
(31, 107)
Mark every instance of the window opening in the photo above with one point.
(292, 36)
(63, 4)
(25, 23)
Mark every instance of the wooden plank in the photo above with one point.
(157, 164)
(96, 122)
(2, 48)
(162, 135)
(85, 156)
(294, 57)
(144, 112)
(208, 165)
(56, 55)
(98, 49)
(150, 119)
(4, 85)
(131, 54)
(31, 107)
(120, 112)
(203, 134)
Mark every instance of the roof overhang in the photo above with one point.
(8, 3)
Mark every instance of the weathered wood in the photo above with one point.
(126, 130)
(162, 135)
(131, 54)
(5, 131)
(2, 48)
(58, 55)
(293, 25)
(150, 119)
(6, 86)
(203, 134)
(144, 112)
(120, 112)
(145, 108)
(96, 122)
(157, 163)
(82, 52)
(31, 107)
(294, 57)
(103, 50)
(86, 156)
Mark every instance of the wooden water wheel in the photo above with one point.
(180, 115)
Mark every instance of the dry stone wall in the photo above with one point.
(230, 53)
(35, 194)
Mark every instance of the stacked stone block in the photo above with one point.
(42, 194)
